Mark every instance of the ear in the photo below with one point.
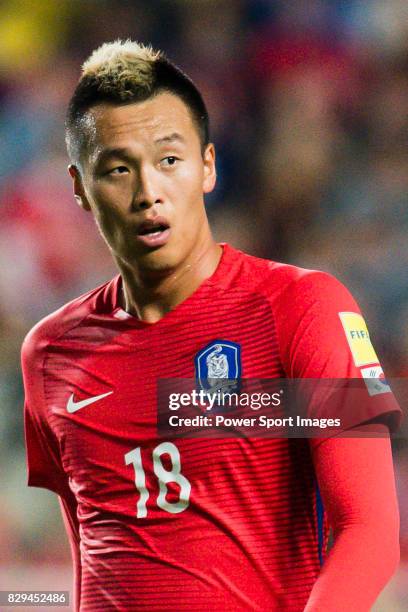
(79, 191)
(210, 174)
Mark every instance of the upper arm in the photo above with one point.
(44, 464)
(322, 334)
(357, 484)
(312, 337)
(44, 467)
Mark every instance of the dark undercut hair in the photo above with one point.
(124, 72)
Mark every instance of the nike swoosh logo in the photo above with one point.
(73, 406)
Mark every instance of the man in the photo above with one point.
(194, 524)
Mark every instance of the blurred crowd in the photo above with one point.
(308, 103)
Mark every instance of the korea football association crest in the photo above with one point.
(218, 366)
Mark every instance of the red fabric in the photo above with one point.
(356, 481)
(248, 538)
(360, 512)
(69, 513)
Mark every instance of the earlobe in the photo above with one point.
(210, 175)
(79, 192)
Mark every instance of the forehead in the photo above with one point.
(142, 121)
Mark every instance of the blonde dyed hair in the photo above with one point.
(123, 72)
(121, 62)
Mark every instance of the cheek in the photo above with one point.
(189, 185)
(108, 202)
(111, 194)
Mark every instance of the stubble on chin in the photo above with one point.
(152, 264)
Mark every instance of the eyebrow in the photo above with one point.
(124, 153)
(174, 137)
(119, 152)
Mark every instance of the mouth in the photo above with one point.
(154, 232)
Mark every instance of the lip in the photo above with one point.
(156, 238)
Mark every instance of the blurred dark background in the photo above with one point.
(308, 103)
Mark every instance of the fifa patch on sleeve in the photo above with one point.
(358, 338)
(375, 380)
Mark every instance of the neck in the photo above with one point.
(150, 295)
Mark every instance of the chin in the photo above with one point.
(158, 260)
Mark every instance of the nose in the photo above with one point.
(147, 192)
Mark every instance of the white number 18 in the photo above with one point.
(164, 477)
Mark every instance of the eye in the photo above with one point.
(118, 170)
(169, 161)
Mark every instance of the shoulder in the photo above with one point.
(54, 325)
(285, 282)
(295, 286)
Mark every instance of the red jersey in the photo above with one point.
(191, 524)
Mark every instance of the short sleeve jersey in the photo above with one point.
(188, 524)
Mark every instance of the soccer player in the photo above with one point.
(195, 523)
